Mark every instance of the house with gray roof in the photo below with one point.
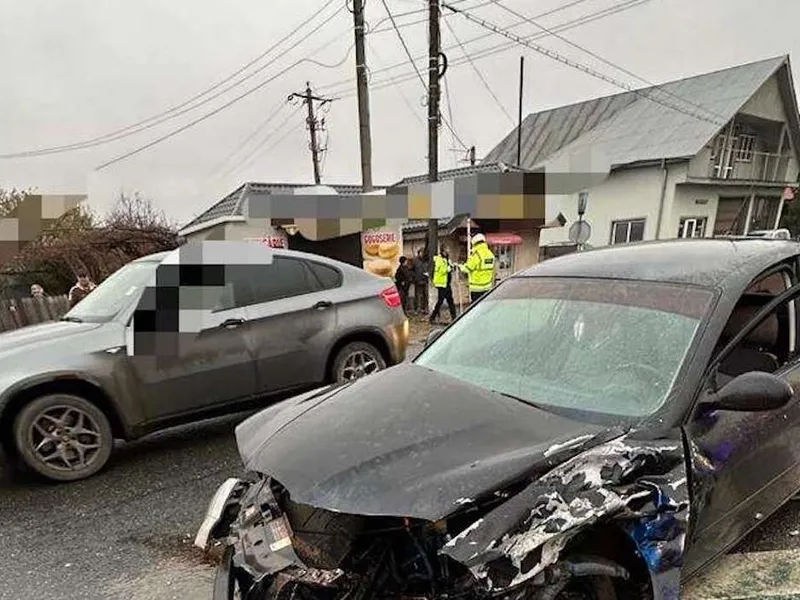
(713, 154)
(227, 219)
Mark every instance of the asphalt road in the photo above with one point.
(128, 532)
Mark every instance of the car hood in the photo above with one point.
(406, 442)
(19, 341)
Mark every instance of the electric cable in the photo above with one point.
(176, 111)
(575, 64)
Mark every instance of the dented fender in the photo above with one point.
(638, 485)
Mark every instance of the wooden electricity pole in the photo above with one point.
(365, 137)
(434, 50)
(313, 124)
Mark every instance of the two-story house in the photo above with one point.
(707, 155)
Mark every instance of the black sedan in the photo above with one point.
(601, 426)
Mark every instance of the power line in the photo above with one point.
(199, 119)
(219, 109)
(400, 91)
(257, 149)
(446, 86)
(478, 73)
(477, 6)
(278, 109)
(176, 111)
(416, 69)
(499, 48)
(575, 65)
(603, 60)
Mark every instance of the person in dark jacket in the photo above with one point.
(81, 289)
(403, 279)
(421, 276)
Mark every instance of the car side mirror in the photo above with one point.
(433, 335)
(752, 392)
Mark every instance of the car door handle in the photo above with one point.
(232, 323)
(322, 305)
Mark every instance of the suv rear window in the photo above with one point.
(328, 277)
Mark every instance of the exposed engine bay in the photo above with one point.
(280, 549)
(607, 525)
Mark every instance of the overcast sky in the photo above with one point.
(76, 70)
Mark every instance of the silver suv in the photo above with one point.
(296, 322)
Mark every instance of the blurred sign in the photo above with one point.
(583, 199)
(273, 241)
(381, 249)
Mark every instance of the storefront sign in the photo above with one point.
(272, 238)
(503, 239)
(381, 250)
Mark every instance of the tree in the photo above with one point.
(10, 200)
(80, 241)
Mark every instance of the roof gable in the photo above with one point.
(634, 128)
(232, 204)
(484, 167)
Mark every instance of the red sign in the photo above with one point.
(275, 242)
(378, 237)
(503, 239)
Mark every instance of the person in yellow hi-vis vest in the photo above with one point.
(442, 281)
(479, 268)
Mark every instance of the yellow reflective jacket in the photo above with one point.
(441, 267)
(480, 268)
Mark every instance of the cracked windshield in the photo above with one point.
(399, 300)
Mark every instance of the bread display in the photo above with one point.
(380, 267)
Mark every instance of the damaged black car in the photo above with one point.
(600, 427)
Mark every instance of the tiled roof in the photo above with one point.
(231, 205)
(484, 167)
(631, 127)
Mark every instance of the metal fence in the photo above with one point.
(29, 311)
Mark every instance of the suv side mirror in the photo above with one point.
(434, 333)
(752, 392)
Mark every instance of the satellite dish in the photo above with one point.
(579, 232)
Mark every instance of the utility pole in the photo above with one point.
(434, 51)
(365, 137)
(519, 114)
(313, 125)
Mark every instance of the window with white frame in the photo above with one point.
(745, 145)
(631, 230)
(692, 227)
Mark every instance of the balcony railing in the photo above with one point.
(762, 166)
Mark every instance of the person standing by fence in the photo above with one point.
(37, 291)
(81, 289)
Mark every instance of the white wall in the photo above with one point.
(685, 204)
(766, 102)
(627, 194)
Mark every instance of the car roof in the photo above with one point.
(159, 256)
(706, 262)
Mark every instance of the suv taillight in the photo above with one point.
(391, 297)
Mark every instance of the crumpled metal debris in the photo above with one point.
(639, 485)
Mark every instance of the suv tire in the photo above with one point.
(356, 360)
(63, 437)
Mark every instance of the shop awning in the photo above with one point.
(503, 239)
